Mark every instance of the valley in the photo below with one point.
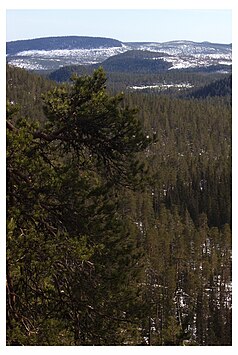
(44, 56)
(119, 205)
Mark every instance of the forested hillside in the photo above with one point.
(136, 62)
(63, 42)
(222, 87)
(118, 215)
(178, 82)
(52, 53)
(25, 90)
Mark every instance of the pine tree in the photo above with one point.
(73, 260)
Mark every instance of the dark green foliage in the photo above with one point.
(72, 260)
(101, 252)
(193, 153)
(87, 119)
(208, 69)
(121, 78)
(24, 89)
(136, 62)
(222, 87)
(65, 73)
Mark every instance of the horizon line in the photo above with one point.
(86, 36)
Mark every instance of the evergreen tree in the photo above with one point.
(72, 260)
(98, 251)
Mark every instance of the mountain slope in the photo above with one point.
(66, 42)
(54, 52)
(222, 87)
(136, 61)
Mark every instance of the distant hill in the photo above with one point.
(65, 73)
(52, 53)
(136, 61)
(221, 87)
(59, 43)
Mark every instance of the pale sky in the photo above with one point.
(157, 25)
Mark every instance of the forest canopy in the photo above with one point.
(118, 215)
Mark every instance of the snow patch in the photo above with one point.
(161, 86)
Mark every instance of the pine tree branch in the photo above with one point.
(48, 137)
(11, 127)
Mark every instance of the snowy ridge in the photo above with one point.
(181, 54)
(54, 59)
(187, 54)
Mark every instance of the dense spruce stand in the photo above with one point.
(118, 211)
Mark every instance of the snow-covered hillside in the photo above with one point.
(185, 54)
(181, 54)
(56, 58)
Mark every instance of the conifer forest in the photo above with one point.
(118, 211)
